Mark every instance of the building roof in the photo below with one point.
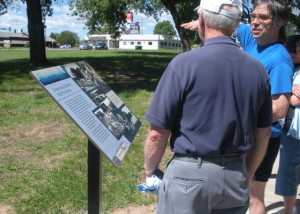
(20, 36)
(129, 37)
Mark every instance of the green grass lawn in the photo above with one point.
(43, 154)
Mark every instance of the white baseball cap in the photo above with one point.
(214, 6)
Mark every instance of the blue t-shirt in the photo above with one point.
(212, 99)
(277, 62)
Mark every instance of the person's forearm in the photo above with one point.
(280, 105)
(154, 149)
(193, 25)
(256, 154)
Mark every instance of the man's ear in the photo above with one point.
(201, 20)
(201, 26)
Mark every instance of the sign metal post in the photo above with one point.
(94, 179)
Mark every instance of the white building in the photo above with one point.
(136, 41)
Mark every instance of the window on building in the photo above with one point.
(139, 43)
(161, 43)
(124, 43)
(166, 44)
(132, 43)
(149, 43)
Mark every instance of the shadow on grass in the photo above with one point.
(123, 70)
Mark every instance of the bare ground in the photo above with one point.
(5, 209)
(136, 210)
(40, 132)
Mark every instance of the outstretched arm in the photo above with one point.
(193, 25)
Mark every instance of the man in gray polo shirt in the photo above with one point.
(215, 105)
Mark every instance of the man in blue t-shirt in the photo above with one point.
(214, 113)
(279, 66)
(264, 40)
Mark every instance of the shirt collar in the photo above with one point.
(219, 39)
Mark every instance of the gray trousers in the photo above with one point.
(203, 188)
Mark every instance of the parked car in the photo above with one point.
(85, 46)
(101, 46)
(66, 46)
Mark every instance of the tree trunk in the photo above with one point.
(170, 5)
(36, 33)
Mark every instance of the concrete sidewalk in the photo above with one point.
(274, 203)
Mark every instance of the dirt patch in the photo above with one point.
(44, 132)
(36, 133)
(136, 210)
(6, 209)
(47, 161)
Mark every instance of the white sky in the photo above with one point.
(61, 21)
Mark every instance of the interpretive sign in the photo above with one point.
(93, 106)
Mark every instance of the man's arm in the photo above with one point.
(280, 104)
(155, 147)
(193, 25)
(256, 154)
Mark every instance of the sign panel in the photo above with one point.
(93, 106)
(129, 16)
(134, 28)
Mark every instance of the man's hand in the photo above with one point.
(156, 172)
(193, 25)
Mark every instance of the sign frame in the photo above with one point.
(93, 106)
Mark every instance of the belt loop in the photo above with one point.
(199, 162)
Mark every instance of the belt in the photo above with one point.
(211, 159)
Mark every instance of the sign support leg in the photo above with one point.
(94, 179)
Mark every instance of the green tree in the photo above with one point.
(4, 4)
(112, 13)
(101, 14)
(36, 13)
(165, 28)
(105, 29)
(37, 10)
(294, 18)
(67, 37)
(53, 35)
